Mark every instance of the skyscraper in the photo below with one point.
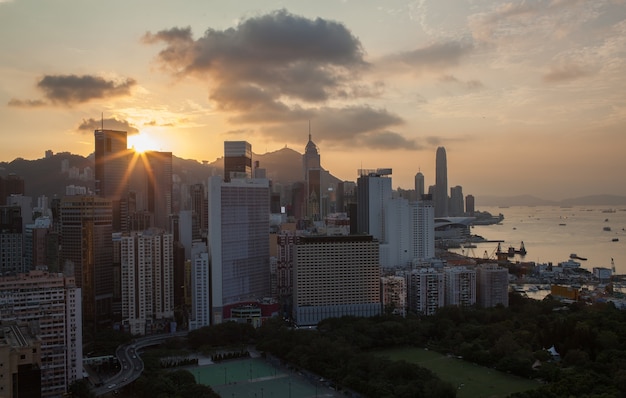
(237, 160)
(456, 204)
(441, 183)
(238, 242)
(159, 187)
(313, 177)
(373, 190)
(111, 163)
(87, 254)
(419, 185)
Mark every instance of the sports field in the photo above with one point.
(256, 378)
(471, 380)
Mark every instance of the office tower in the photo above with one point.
(425, 290)
(441, 183)
(298, 200)
(35, 243)
(237, 160)
(87, 254)
(147, 276)
(20, 359)
(460, 286)
(312, 171)
(470, 205)
(335, 276)
(393, 294)
(419, 185)
(159, 187)
(57, 320)
(456, 208)
(285, 242)
(422, 214)
(373, 190)
(10, 185)
(238, 242)
(492, 285)
(200, 287)
(111, 163)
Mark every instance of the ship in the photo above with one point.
(575, 256)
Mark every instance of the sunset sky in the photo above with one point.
(526, 96)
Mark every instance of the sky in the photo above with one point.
(527, 97)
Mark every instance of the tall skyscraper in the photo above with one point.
(237, 160)
(335, 276)
(111, 163)
(11, 240)
(470, 205)
(200, 287)
(313, 178)
(441, 183)
(419, 185)
(87, 254)
(10, 185)
(373, 190)
(238, 242)
(159, 187)
(57, 318)
(422, 229)
(456, 204)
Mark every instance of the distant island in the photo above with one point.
(529, 200)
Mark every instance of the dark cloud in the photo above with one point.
(564, 73)
(90, 125)
(278, 71)
(70, 89)
(282, 55)
(26, 103)
(435, 57)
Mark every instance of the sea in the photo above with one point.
(552, 233)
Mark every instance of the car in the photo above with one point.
(111, 386)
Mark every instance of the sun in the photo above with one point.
(141, 142)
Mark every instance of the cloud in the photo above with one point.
(432, 58)
(566, 72)
(388, 140)
(90, 125)
(71, 89)
(26, 103)
(279, 70)
(469, 84)
(278, 55)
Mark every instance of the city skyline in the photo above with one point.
(525, 97)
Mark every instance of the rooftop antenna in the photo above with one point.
(309, 129)
(102, 121)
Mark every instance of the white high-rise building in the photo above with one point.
(425, 290)
(396, 251)
(422, 230)
(58, 317)
(147, 276)
(200, 287)
(239, 224)
(460, 286)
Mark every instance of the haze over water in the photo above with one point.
(546, 240)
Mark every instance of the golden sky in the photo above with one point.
(526, 96)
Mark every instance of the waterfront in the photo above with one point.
(552, 233)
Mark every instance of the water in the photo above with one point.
(551, 234)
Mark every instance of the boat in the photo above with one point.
(606, 228)
(562, 224)
(522, 250)
(575, 256)
(615, 240)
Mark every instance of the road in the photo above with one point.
(131, 364)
